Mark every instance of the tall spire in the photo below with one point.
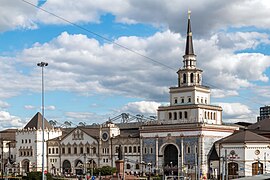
(189, 44)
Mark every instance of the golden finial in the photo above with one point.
(189, 13)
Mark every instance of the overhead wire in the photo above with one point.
(120, 45)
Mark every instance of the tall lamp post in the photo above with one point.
(42, 65)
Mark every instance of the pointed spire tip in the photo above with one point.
(189, 14)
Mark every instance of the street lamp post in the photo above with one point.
(42, 65)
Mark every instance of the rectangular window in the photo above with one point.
(87, 150)
(29, 140)
(130, 149)
(52, 150)
(22, 141)
(63, 150)
(69, 150)
(49, 150)
(56, 149)
(139, 149)
(186, 115)
(75, 150)
(81, 151)
(125, 149)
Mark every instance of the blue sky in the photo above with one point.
(90, 79)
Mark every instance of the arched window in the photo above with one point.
(191, 77)
(130, 149)
(188, 150)
(175, 115)
(205, 115)
(134, 149)
(186, 115)
(184, 78)
(180, 115)
(211, 115)
(170, 115)
(215, 116)
(137, 166)
(128, 166)
(208, 116)
(94, 150)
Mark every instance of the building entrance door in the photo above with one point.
(170, 160)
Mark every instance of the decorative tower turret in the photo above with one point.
(190, 100)
(189, 75)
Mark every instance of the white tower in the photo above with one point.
(190, 100)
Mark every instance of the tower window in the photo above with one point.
(184, 78)
(174, 115)
(175, 101)
(198, 78)
(180, 115)
(170, 115)
(186, 115)
(182, 100)
(189, 99)
(191, 77)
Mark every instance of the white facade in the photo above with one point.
(29, 148)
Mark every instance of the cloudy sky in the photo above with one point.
(107, 57)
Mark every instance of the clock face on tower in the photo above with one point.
(105, 136)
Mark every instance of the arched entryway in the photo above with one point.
(66, 167)
(79, 166)
(170, 160)
(257, 168)
(25, 166)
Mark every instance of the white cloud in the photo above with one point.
(237, 112)
(50, 108)
(162, 13)
(9, 121)
(219, 93)
(142, 107)
(17, 14)
(29, 107)
(4, 104)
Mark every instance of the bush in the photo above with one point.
(105, 170)
(36, 176)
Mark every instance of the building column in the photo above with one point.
(157, 152)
